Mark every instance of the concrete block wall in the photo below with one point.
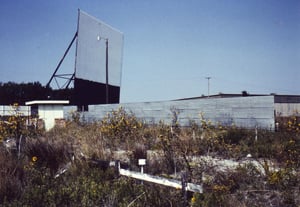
(247, 112)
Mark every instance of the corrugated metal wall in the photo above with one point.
(287, 109)
(241, 111)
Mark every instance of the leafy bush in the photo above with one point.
(121, 128)
(14, 125)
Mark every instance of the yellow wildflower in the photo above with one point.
(193, 199)
(34, 158)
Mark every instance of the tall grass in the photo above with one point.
(33, 178)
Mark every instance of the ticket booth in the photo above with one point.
(48, 110)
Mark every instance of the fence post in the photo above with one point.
(183, 189)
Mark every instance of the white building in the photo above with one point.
(48, 110)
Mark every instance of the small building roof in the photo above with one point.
(47, 102)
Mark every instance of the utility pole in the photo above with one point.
(208, 78)
(106, 68)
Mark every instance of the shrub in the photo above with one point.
(122, 129)
(14, 125)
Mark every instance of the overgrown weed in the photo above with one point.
(30, 179)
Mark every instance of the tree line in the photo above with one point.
(12, 92)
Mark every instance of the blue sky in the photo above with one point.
(170, 46)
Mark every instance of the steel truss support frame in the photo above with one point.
(68, 77)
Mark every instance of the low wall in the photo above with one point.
(246, 112)
(6, 110)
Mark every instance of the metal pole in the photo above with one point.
(106, 67)
(208, 78)
(142, 172)
(183, 189)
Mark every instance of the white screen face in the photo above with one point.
(91, 51)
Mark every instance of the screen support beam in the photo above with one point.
(60, 62)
